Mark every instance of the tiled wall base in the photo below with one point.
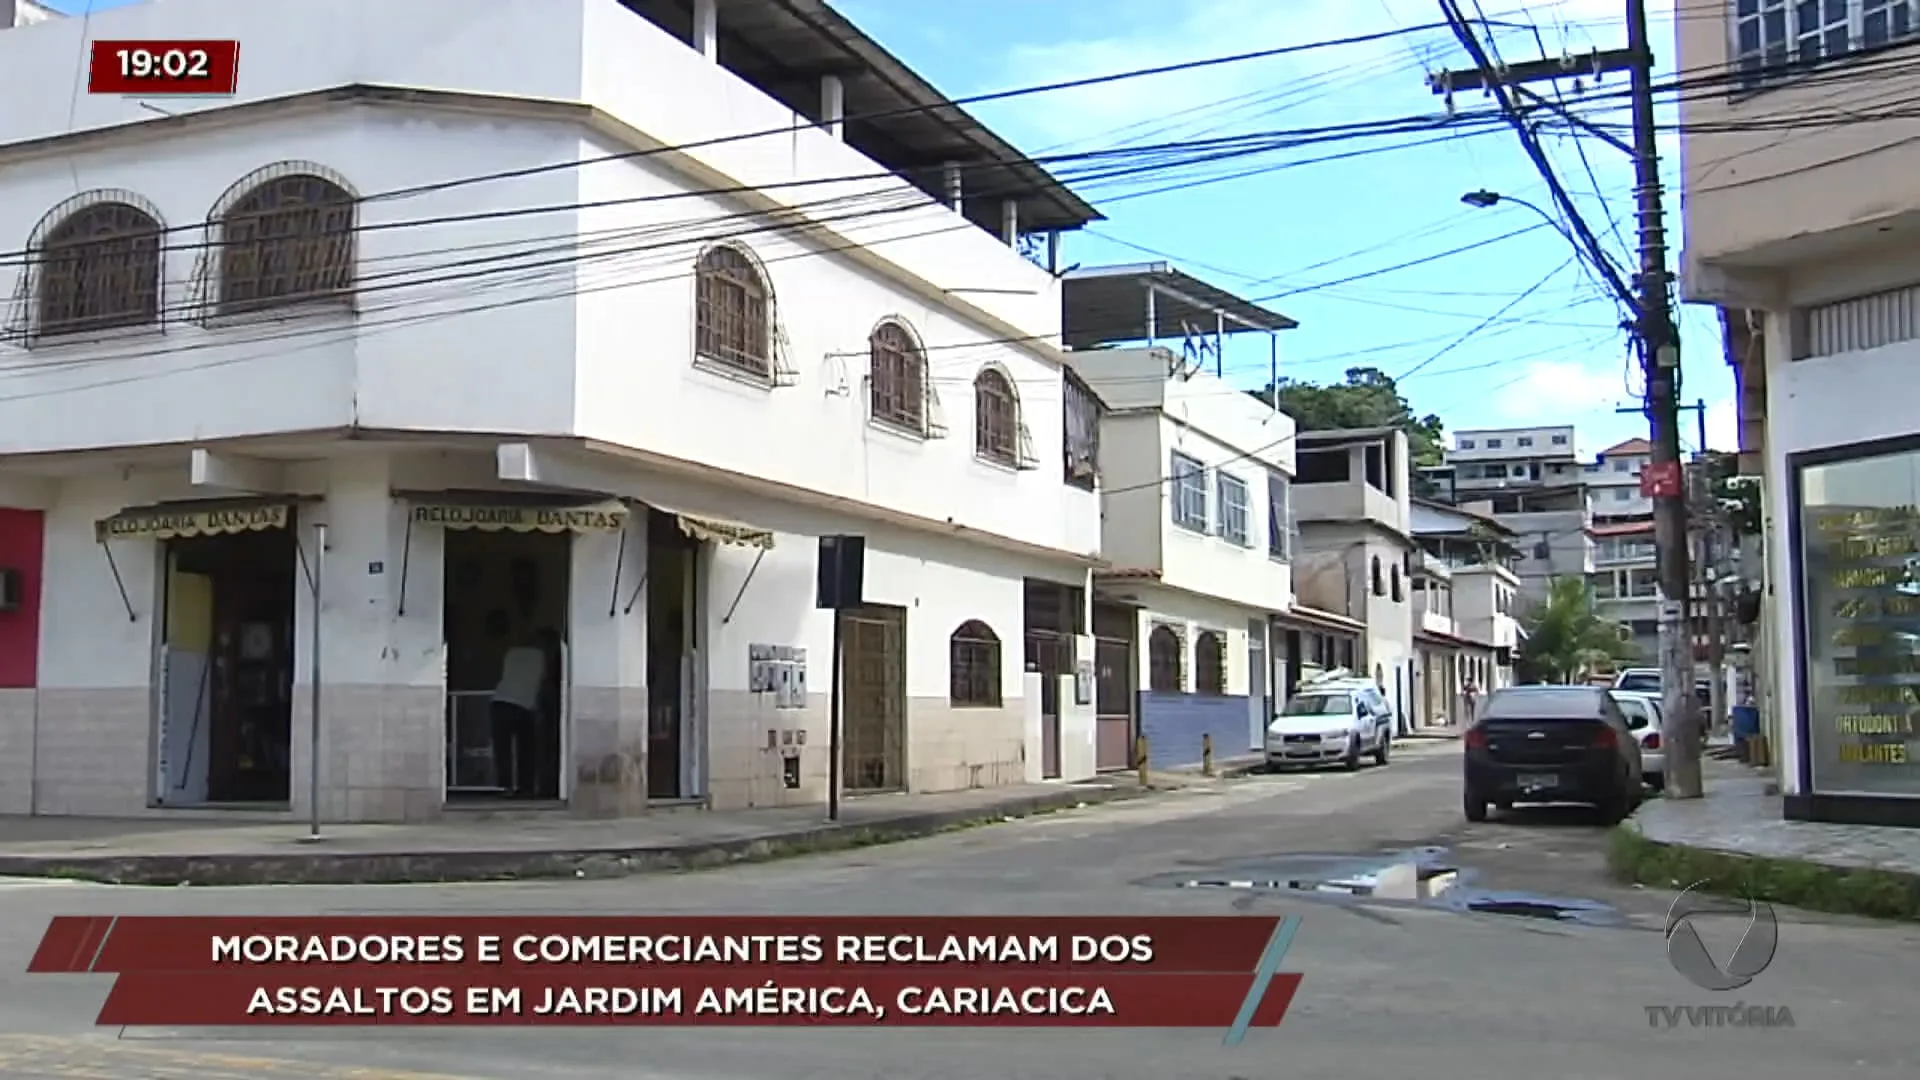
(385, 755)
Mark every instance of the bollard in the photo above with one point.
(1140, 758)
(1206, 754)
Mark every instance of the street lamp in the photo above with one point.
(1480, 199)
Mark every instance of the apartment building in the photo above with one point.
(1625, 576)
(1197, 517)
(1535, 484)
(1356, 557)
(1807, 240)
(251, 408)
(1468, 635)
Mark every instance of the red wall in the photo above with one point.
(22, 544)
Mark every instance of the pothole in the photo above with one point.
(1427, 877)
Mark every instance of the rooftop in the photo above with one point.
(1345, 436)
(786, 47)
(1154, 303)
(1486, 519)
(1631, 446)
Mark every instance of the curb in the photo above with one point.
(1802, 883)
(607, 861)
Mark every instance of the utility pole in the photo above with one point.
(1656, 333)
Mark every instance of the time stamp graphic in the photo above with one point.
(164, 68)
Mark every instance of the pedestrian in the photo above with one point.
(1472, 693)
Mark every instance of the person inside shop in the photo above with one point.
(526, 717)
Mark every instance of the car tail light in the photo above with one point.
(1476, 738)
(1653, 741)
(1605, 739)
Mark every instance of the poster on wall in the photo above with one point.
(1859, 523)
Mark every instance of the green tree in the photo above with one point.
(1566, 639)
(1367, 398)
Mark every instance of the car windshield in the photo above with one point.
(1543, 703)
(1640, 683)
(1323, 704)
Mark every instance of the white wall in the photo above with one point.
(592, 51)
(1203, 418)
(406, 365)
(530, 347)
(1820, 402)
(637, 385)
(1536, 442)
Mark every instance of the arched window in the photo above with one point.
(1163, 661)
(733, 312)
(897, 379)
(1379, 583)
(1210, 663)
(996, 418)
(97, 268)
(286, 240)
(1397, 594)
(973, 656)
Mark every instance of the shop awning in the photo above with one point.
(168, 521)
(718, 531)
(509, 514)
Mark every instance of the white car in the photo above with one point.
(1638, 680)
(1332, 722)
(1645, 720)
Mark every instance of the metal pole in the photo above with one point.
(313, 720)
(1660, 354)
(833, 725)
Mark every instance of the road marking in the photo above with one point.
(39, 1057)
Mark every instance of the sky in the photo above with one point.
(1512, 332)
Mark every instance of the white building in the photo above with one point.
(1536, 485)
(1465, 593)
(565, 353)
(1626, 577)
(1808, 242)
(1197, 526)
(1356, 558)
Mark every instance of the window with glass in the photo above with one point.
(1524, 440)
(1279, 517)
(1493, 444)
(1774, 38)
(1859, 522)
(1235, 523)
(1188, 502)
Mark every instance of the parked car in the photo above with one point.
(1638, 680)
(1644, 719)
(1552, 744)
(1648, 681)
(1337, 719)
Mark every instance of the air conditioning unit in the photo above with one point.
(13, 589)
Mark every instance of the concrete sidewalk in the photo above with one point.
(1739, 816)
(174, 852)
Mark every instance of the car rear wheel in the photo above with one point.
(1618, 806)
(1476, 806)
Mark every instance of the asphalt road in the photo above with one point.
(1391, 991)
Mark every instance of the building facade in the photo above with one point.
(1626, 578)
(1356, 559)
(1468, 638)
(1197, 514)
(1537, 486)
(1808, 241)
(359, 393)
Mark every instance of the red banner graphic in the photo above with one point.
(1097, 971)
(1196, 945)
(415, 996)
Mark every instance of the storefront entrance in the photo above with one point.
(505, 629)
(224, 723)
(672, 625)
